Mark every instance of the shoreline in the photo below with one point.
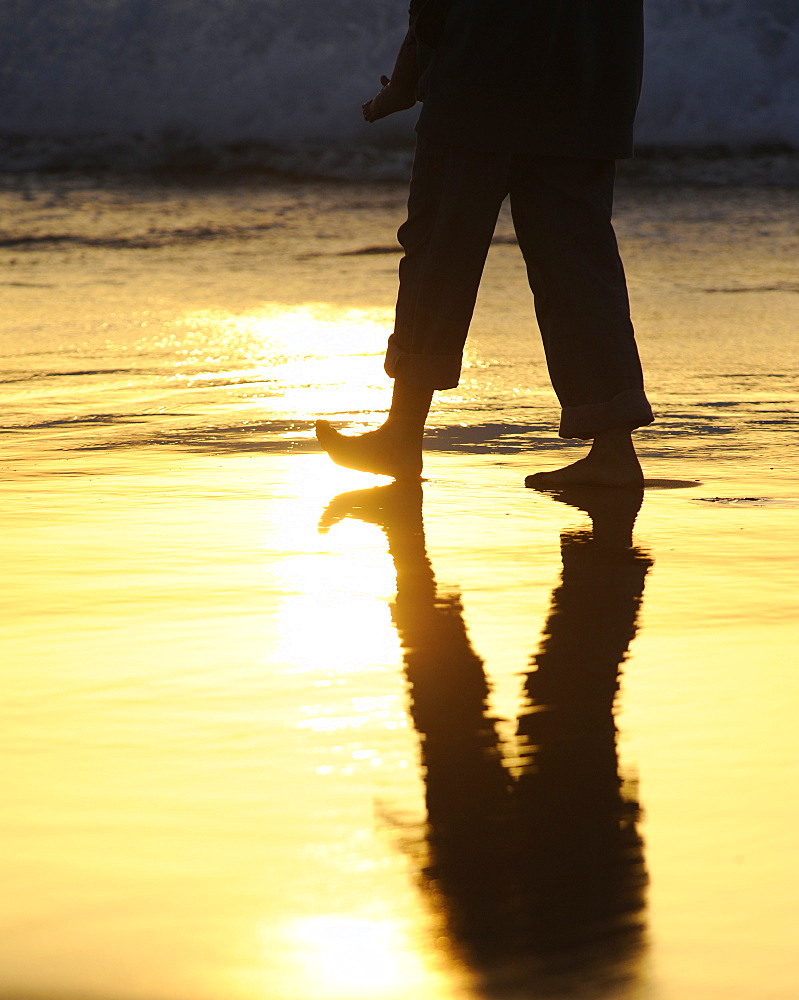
(389, 164)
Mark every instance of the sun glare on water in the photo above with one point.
(352, 956)
(313, 358)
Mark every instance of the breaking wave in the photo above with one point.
(277, 84)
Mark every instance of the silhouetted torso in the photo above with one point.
(539, 77)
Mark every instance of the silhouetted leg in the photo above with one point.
(454, 201)
(562, 212)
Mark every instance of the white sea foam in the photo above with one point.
(279, 83)
(721, 72)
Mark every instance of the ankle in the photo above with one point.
(615, 443)
(409, 408)
(403, 428)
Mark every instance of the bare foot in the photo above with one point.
(610, 462)
(586, 473)
(383, 452)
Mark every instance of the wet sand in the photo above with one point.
(213, 745)
(274, 730)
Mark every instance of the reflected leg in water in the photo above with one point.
(580, 855)
(467, 788)
(541, 876)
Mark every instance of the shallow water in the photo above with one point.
(270, 738)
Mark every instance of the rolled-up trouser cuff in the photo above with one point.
(629, 409)
(427, 371)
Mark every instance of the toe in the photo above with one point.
(542, 481)
(325, 434)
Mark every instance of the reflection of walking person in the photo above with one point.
(534, 100)
(542, 872)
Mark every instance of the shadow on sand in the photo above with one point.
(538, 868)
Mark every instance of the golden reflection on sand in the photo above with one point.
(538, 869)
(217, 718)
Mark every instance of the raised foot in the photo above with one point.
(377, 451)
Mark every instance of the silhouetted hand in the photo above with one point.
(391, 98)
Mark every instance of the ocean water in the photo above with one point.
(246, 84)
(275, 730)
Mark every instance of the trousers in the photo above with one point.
(561, 210)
